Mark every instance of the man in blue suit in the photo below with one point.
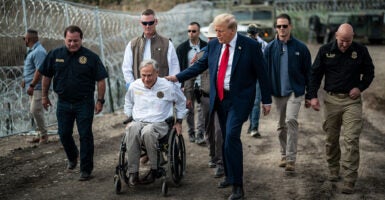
(243, 67)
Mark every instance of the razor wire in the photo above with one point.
(327, 5)
(105, 32)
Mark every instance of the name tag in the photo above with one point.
(59, 60)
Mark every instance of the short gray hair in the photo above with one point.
(151, 62)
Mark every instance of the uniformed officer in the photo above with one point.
(348, 70)
(74, 70)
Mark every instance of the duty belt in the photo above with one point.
(339, 95)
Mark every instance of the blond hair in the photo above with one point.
(226, 19)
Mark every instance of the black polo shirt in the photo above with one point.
(74, 74)
(343, 71)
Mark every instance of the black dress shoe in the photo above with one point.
(219, 172)
(85, 176)
(224, 184)
(133, 178)
(72, 164)
(237, 193)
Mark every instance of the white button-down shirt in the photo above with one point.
(230, 63)
(155, 104)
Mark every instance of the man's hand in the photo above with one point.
(189, 103)
(315, 104)
(30, 91)
(22, 84)
(307, 103)
(178, 128)
(98, 107)
(195, 58)
(171, 78)
(354, 93)
(266, 109)
(46, 102)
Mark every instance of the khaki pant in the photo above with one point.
(288, 109)
(37, 112)
(147, 134)
(341, 111)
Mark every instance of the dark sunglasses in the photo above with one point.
(148, 23)
(282, 26)
(193, 31)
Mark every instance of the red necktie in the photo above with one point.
(222, 72)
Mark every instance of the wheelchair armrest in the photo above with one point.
(170, 121)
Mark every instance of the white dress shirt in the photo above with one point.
(230, 63)
(155, 104)
(172, 59)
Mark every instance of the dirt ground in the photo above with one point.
(38, 172)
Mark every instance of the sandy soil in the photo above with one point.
(37, 172)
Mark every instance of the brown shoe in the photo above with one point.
(282, 163)
(348, 188)
(143, 159)
(290, 166)
(34, 140)
(133, 179)
(43, 139)
(334, 176)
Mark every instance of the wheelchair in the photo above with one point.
(171, 160)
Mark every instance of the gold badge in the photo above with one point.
(330, 55)
(83, 60)
(354, 55)
(160, 94)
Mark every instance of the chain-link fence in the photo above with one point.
(105, 32)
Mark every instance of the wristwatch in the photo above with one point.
(31, 85)
(179, 121)
(101, 101)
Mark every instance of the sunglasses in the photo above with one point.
(148, 23)
(282, 26)
(193, 31)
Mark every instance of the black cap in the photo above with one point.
(252, 29)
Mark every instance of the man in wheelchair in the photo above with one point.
(149, 101)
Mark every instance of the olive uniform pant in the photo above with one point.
(341, 111)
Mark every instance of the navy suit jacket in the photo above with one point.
(248, 66)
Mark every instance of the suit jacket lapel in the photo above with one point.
(217, 54)
(237, 53)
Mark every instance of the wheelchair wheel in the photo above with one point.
(176, 158)
(164, 188)
(123, 165)
(118, 184)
